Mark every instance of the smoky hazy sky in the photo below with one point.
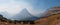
(35, 7)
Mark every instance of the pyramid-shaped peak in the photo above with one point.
(24, 9)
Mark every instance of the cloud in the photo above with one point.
(13, 7)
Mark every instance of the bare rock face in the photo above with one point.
(52, 17)
(53, 10)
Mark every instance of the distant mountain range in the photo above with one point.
(24, 15)
(5, 14)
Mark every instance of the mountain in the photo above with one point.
(24, 15)
(5, 14)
